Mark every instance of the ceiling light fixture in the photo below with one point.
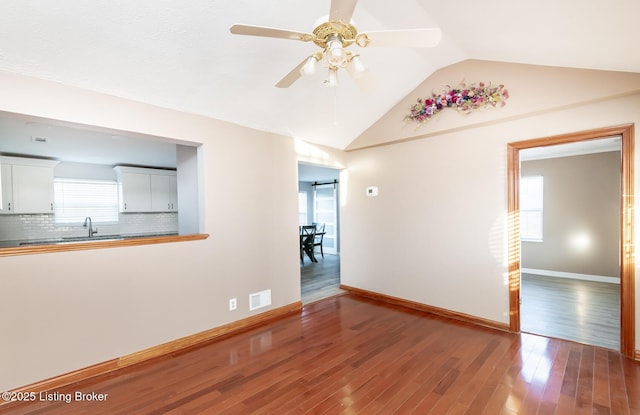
(309, 67)
(334, 34)
(334, 56)
(357, 66)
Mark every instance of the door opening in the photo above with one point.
(320, 207)
(625, 254)
(569, 229)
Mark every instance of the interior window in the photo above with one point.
(531, 208)
(75, 199)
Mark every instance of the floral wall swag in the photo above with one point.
(463, 98)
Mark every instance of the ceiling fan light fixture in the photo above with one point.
(336, 55)
(334, 34)
(357, 66)
(309, 67)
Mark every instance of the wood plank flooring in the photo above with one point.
(570, 309)
(320, 279)
(350, 355)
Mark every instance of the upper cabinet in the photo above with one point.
(27, 185)
(6, 193)
(147, 190)
(164, 193)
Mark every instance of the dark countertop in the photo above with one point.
(78, 239)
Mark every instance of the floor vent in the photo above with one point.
(258, 300)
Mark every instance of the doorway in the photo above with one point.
(569, 230)
(625, 245)
(318, 193)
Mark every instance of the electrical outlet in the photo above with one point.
(233, 304)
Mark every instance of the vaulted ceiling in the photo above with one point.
(181, 55)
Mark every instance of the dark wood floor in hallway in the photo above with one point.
(350, 355)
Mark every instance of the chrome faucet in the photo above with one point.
(87, 221)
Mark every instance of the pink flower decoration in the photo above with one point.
(462, 98)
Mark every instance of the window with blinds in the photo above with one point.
(75, 199)
(531, 208)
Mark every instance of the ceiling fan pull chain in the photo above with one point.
(335, 106)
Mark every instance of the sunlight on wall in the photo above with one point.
(498, 240)
(580, 241)
(513, 257)
(344, 187)
(499, 244)
(312, 154)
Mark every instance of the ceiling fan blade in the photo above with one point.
(292, 76)
(410, 38)
(241, 29)
(342, 10)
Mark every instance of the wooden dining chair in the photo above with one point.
(307, 238)
(317, 240)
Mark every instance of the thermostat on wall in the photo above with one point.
(372, 191)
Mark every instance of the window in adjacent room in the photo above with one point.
(302, 209)
(75, 199)
(531, 208)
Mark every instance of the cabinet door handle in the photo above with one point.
(168, 205)
(9, 206)
(52, 207)
(125, 205)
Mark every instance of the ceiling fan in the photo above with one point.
(333, 35)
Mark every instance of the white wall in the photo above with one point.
(581, 198)
(436, 234)
(74, 309)
(442, 202)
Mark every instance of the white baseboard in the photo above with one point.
(571, 275)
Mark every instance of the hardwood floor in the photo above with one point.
(582, 311)
(320, 279)
(350, 355)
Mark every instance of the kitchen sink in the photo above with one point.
(94, 238)
(83, 239)
(73, 239)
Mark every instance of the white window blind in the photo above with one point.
(75, 199)
(531, 208)
(302, 208)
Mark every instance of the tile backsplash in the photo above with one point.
(29, 227)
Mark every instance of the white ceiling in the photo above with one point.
(312, 173)
(181, 55)
(68, 142)
(601, 145)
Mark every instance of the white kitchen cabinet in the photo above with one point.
(27, 185)
(147, 190)
(6, 204)
(135, 192)
(164, 194)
